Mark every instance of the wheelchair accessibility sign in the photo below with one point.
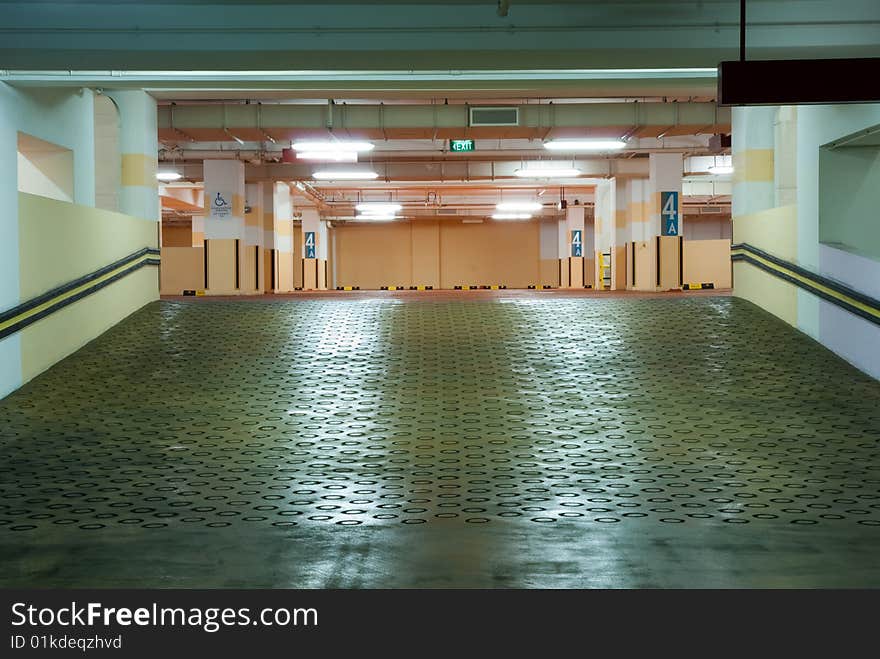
(221, 205)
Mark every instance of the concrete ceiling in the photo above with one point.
(418, 36)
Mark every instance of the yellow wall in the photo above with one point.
(707, 261)
(182, 269)
(774, 231)
(59, 242)
(767, 291)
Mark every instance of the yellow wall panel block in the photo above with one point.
(139, 169)
(773, 230)
(767, 291)
(753, 166)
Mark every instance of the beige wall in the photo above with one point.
(442, 254)
(182, 269)
(646, 266)
(549, 270)
(505, 253)
(174, 235)
(374, 255)
(297, 258)
(669, 263)
(60, 242)
(425, 239)
(707, 261)
(620, 265)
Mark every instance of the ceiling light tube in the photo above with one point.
(584, 145)
(721, 169)
(512, 216)
(169, 176)
(378, 207)
(345, 175)
(547, 171)
(518, 206)
(328, 156)
(332, 146)
(376, 217)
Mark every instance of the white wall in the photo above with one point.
(852, 337)
(62, 117)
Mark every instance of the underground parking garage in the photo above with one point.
(401, 301)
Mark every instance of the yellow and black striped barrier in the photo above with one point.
(697, 287)
(16, 319)
(831, 291)
(348, 288)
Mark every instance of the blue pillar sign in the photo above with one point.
(669, 213)
(577, 243)
(310, 244)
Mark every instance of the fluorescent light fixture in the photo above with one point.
(380, 208)
(374, 217)
(345, 175)
(721, 169)
(584, 145)
(332, 146)
(328, 156)
(169, 176)
(512, 216)
(539, 170)
(518, 206)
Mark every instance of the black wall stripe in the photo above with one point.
(256, 267)
(634, 263)
(680, 260)
(819, 279)
(657, 256)
(805, 286)
(237, 264)
(206, 262)
(17, 327)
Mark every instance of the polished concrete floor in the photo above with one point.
(430, 440)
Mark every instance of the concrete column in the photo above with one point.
(314, 250)
(604, 230)
(224, 226)
(665, 221)
(785, 156)
(138, 144)
(282, 227)
(572, 245)
(753, 159)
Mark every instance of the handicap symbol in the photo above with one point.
(219, 201)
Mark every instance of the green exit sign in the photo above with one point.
(460, 146)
